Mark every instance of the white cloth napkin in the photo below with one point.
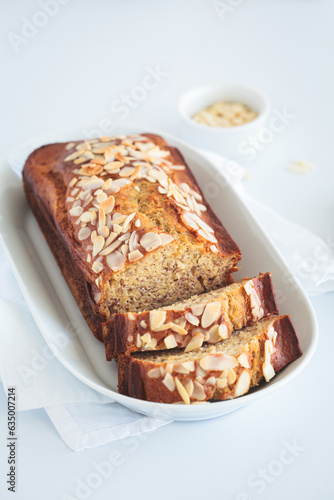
(83, 417)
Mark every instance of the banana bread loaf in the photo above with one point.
(225, 370)
(127, 223)
(209, 317)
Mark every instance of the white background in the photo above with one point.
(68, 75)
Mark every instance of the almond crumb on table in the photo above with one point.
(300, 167)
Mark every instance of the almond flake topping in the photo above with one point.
(195, 342)
(182, 391)
(168, 381)
(211, 314)
(150, 241)
(192, 319)
(98, 244)
(243, 384)
(157, 319)
(107, 165)
(170, 341)
(218, 362)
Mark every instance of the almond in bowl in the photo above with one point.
(225, 114)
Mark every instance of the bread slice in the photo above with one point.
(222, 371)
(209, 317)
(127, 223)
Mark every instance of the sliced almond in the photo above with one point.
(93, 183)
(97, 267)
(178, 329)
(84, 233)
(75, 155)
(180, 321)
(211, 314)
(146, 338)
(143, 324)
(198, 392)
(221, 383)
(125, 249)
(182, 391)
(124, 237)
(207, 236)
(213, 335)
(154, 373)
(189, 365)
(168, 381)
(126, 171)
(108, 204)
(179, 368)
(170, 367)
(150, 241)
(115, 261)
(107, 185)
(90, 169)
(157, 319)
(192, 319)
(197, 309)
(268, 370)
(223, 331)
(127, 222)
(69, 145)
(170, 341)
(211, 381)
(218, 362)
(102, 217)
(189, 386)
(118, 218)
(134, 241)
(203, 225)
(86, 217)
(138, 341)
(76, 211)
(103, 231)
(243, 384)
(231, 376)
(195, 342)
(150, 346)
(121, 183)
(189, 222)
(94, 218)
(166, 238)
(98, 244)
(135, 255)
(165, 326)
(111, 238)
(73, 182)
(244, 361)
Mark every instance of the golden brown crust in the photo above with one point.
(47, 175)
(126, 332)
(73, 275)
(241, 365)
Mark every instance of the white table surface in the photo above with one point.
(68, 74)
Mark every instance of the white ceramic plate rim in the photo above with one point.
(177, 412)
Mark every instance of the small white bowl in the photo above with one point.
(227, 141)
